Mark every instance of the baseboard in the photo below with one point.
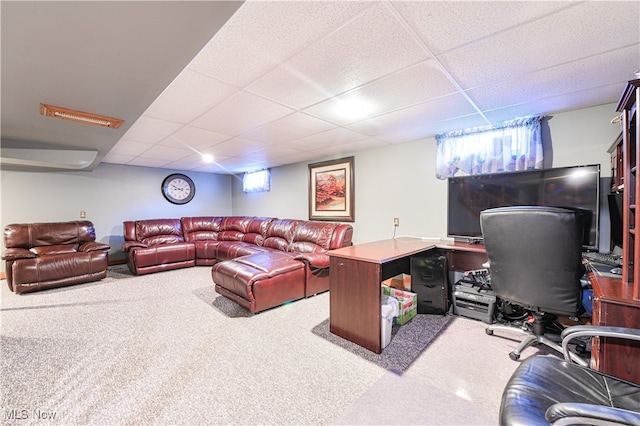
(111, 262)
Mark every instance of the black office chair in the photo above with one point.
(535, 258)
(549, 390)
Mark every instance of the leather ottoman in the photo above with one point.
(260, 281)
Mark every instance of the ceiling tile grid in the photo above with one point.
(280, 82)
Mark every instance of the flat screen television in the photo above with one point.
(572, 187)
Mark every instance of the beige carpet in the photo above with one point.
(166, 349)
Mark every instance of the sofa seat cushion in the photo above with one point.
(227, 250)
(260, 281)
(55, 271)
(163, 254)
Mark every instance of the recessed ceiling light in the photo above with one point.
(353, 109)
(207, 158)
(79, 116)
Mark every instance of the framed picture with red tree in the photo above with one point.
(331, 190)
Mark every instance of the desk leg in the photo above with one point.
(355, 302)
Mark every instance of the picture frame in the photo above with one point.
(331, 190)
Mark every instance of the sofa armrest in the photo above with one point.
(317, 260)
(128, 245)
(581, 413)
(17, 253)
(94, 246)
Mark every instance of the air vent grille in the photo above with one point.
(79, 116)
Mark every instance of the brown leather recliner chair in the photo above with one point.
(46, 255)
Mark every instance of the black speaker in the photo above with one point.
(429, 280)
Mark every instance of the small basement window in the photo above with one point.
(258, 181)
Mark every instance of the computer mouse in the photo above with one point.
(617, 271)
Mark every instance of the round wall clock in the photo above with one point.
(178, 188)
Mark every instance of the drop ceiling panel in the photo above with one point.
(148, 162)
(446, 25)
(168, 153)
(412, 85)
(551, 41)
(130, 147)
(150, 130)
(415, 116)
(335, 136)
(416, 131)
(362, 50)
(240, 113)
(237, 147)
(190, 95)
(288, 128)
(264, 34)
(195, 138)
(566, 102)
(560, 80)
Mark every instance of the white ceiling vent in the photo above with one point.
(79, 116)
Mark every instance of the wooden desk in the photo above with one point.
(356, 274)
(614, 306)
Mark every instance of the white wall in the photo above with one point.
(110, 194)
(393, 181)
(399, 180)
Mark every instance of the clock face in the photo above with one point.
(178, 188)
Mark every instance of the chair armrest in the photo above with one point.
(317, 260)
(17, 253)
(570, 413)
(93, 246)
(128, 245)
(572, 332)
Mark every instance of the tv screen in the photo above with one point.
(571, 187)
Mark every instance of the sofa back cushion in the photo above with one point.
(233, 228)
(280, 234)
(203, 228)
(28, 235)
(311, 237)
(55, 249)
(256, 230)
(159, 231)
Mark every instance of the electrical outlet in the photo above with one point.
(396, 221)
(83, 214)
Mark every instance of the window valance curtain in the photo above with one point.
(509, 146)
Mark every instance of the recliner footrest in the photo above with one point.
(262, 280)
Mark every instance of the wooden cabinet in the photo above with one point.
(617, 169)
(614, 306)
(617, 301)
(627, 106)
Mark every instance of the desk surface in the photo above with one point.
(387, 250)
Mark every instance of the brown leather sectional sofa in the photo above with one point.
(46, 255)
(258, 262)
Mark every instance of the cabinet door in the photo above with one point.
(617, 357)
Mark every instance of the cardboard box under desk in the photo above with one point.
(407, 303)
(401, 282)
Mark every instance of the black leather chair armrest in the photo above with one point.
(93, 246)
(17, 253)
(128, 245)
(570, 413)
(575, 331)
